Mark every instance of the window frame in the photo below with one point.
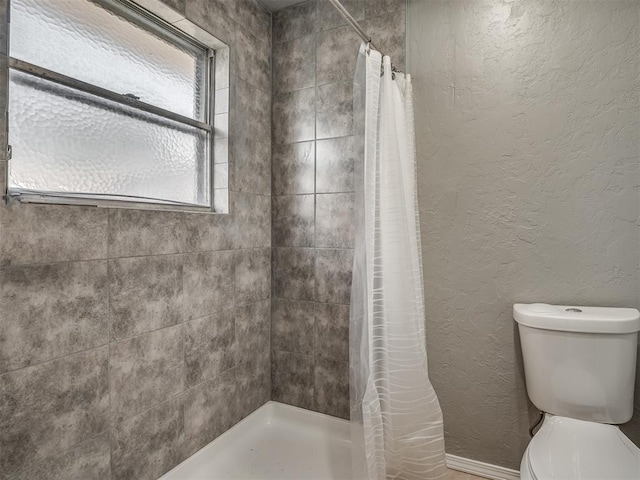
(151, 22)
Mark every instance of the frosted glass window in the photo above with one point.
(66, 142)
(99, 43)
(107, 103)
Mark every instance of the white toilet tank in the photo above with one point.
(580, 362)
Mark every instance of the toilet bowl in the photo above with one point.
(580, 365)
(566, 448)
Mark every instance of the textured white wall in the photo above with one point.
(528, 126)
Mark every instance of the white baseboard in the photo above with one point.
(481, 469)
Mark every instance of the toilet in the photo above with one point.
(580, 365)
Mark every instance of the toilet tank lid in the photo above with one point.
(571, 318)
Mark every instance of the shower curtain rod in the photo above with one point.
(356, 26)
(351, 21)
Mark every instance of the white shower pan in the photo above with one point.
(276, 442)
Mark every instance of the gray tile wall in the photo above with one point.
(130, 339)
(314, 59)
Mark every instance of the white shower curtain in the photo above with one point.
(397, 429)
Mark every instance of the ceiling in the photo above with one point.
(275, 5)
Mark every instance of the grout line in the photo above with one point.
(280, 93)
(173, 397)
(315, 191)
(109, 341)
(293, 352)
(306, 301)
(271, 268)
(312, 193)
(311, 247)
(121, 340)
(16, 266)
(285, 247)
(181, 427)
(313, 139)
(54, 359)
(148, 409)
(311, 301)
(107, 258)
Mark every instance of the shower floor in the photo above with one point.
(276, 442)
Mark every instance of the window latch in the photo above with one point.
(132, 96)
(9, 152)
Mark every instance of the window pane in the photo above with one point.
(109, 51)
(65, 141)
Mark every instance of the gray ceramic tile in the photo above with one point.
(380, 7)
(292, 379)
(334, 110)
(335, 165)
(331, 387)
(150, 444)
(389, 32)
(48, 408)
(220, 175)
(253, 54)
(293, 275)
(88, 461)
(253, 383)
(221, 125)
(48, 311)
(51, 233)
(207, 232)
(145, 293)
(177, 5)
(252, 144)
(291, 322)
(294, 64)
(208, 283)
(293, 220)
(3, 143)
(331, 332)
(4, 80)
(337, 55)
(328, 16)
(209, 410)
(294, 22)
(221, 101)
(292, 169)
(3, 34)
(214, 17)
(225, 7)
(223, 59)
(254, 18)
(139, 232)
(334, 220)
(293, 116)
(253, 220)
(221, 200)
(333, 276)
(145, 370)
(253, 275)
(209, 347)
(221, 151)
(252, 330)
(228, 154)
